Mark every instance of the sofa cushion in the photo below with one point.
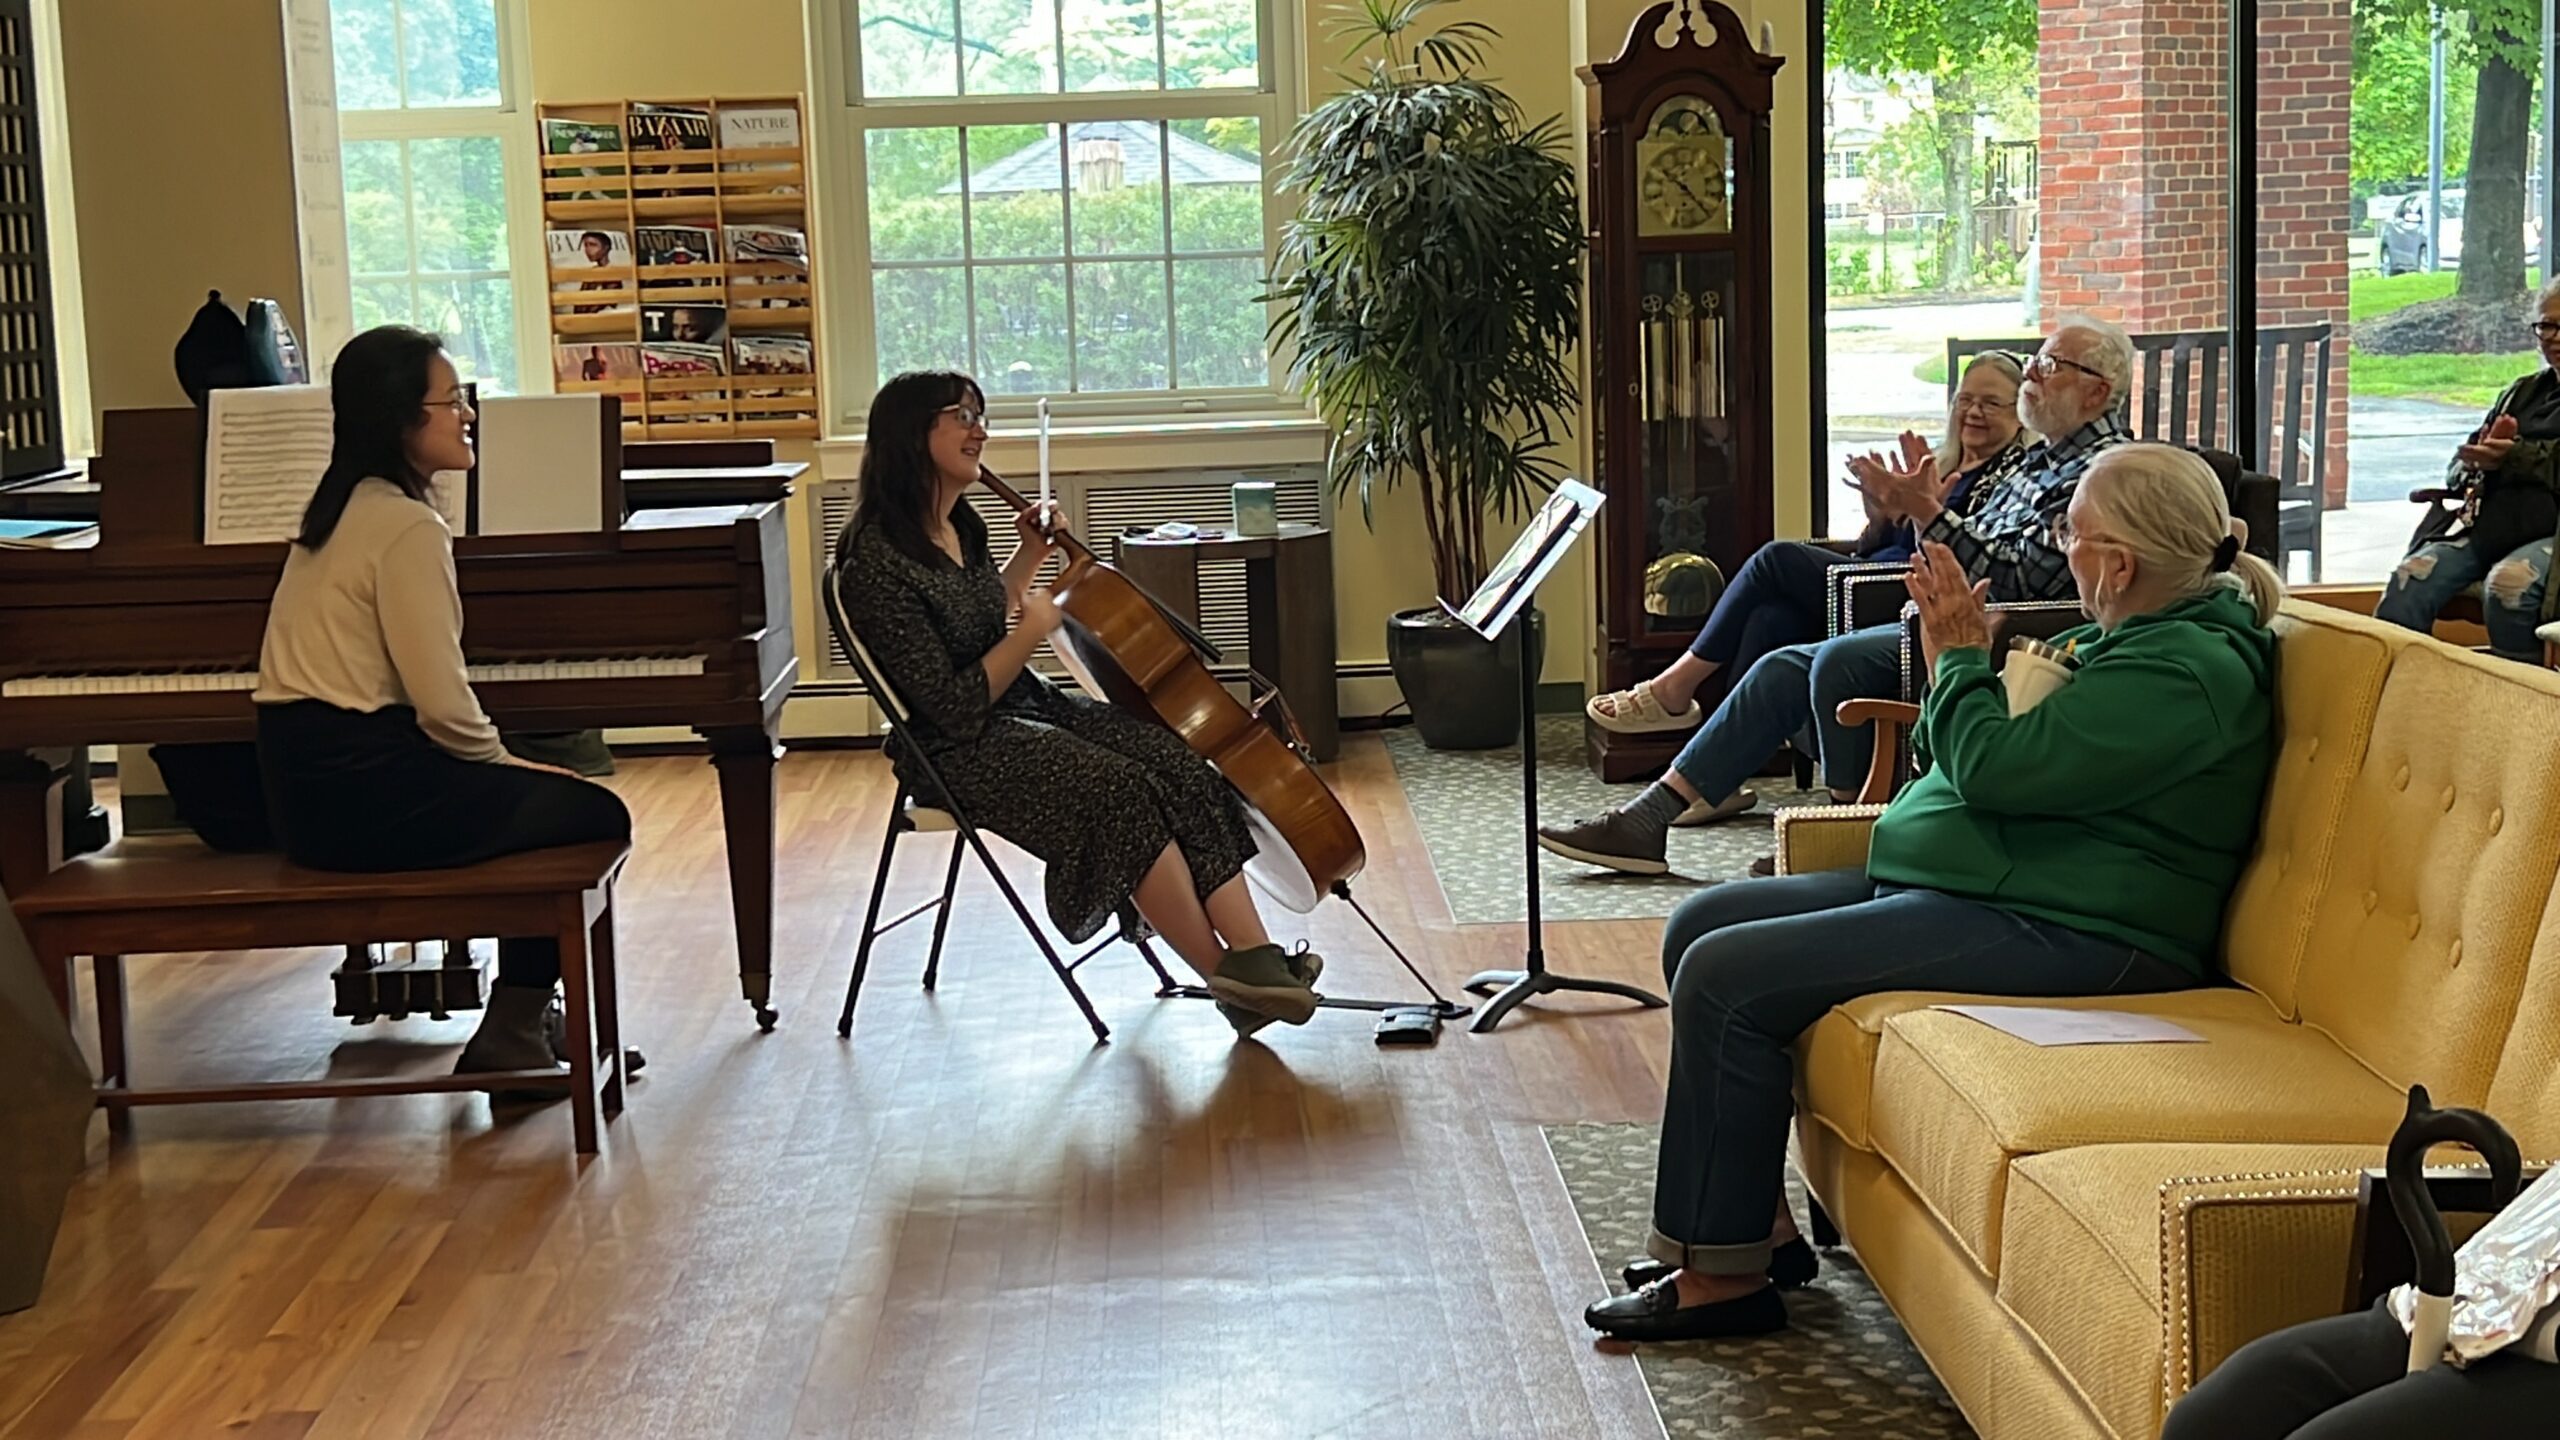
(2446, 852)
(2525, 1094)
(1956, 1101)
(2083, 1256)
(1836, 1058)
(2329, 672)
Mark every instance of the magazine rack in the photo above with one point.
(597, 319)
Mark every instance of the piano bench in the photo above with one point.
(167, 894)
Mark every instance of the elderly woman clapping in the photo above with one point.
(2085, 846)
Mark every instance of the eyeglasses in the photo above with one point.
(970, 419)
(458, 404)
(2045, 361)
(2059, 526)
(2545, 329)
(1988, 404)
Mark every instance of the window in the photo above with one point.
(431, 143)
(1082, 220)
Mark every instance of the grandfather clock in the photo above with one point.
(1680, 283)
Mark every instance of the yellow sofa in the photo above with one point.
(2074, 1236)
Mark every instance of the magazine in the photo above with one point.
(666, 360)
(665, 128)
(679, 245)
(583, 137)
(762, 127)
(771, 355)
(786, 245)
(575, 250)
(685, 324)
(594, 361)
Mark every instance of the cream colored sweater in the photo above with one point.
(374, 618)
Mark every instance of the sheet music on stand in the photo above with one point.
(1534, 552)
(264, 451)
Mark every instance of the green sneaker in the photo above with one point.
(1257, 986)
(1306, 965)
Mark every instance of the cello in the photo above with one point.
(1124, 648)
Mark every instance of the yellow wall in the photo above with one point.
(672, 49)
(182, 173)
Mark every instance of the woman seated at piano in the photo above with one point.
(1121, 811)
(375, 752)
(2496, 513)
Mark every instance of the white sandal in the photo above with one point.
(1635, 711)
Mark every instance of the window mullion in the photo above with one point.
(1067, 237)
(1164, 181)
(1164, 70)
(400, 53)
(968, 263)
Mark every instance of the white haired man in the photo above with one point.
(2074, 389)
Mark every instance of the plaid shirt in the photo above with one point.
(2008, 539)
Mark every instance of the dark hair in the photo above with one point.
(898, 477)
(377, 393)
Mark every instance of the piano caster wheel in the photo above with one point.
(765, 1016)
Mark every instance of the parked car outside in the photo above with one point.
(2402, 226)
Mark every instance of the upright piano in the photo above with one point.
(149, 636)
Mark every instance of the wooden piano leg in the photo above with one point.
(745, 759)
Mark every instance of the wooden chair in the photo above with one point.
(166, 894)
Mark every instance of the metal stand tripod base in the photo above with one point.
(1446, 1010)
(1519, 985)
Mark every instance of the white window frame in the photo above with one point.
(846, 117)
(62, 238)
(510, 123)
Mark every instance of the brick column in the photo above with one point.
(2135, 170)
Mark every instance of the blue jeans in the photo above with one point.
(1752, 963)
(2511, 592)
(1774, 600)
(1784, 691)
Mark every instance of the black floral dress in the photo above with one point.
(1092, 791)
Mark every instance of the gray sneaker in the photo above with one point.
(1614, 841)
(1262, 980)
(1306, 965)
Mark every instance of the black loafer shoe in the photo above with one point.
(1792, 1266)
(1655, 1313)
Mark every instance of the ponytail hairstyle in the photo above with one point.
(2165, 505)
(377, 398)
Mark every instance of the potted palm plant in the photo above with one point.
(1428, 292)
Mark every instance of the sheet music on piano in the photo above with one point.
(264, 451)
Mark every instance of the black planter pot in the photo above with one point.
(1464, 690)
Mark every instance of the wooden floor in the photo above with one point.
(968, 1220)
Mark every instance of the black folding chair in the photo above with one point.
(934, 809)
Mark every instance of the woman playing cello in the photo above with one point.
(1120, 810)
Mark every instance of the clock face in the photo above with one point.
(1680, 172)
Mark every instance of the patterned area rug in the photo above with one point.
(1467, 805)
(1844, 1368)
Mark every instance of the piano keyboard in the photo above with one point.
(176, 682)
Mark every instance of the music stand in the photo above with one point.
(1497, 602)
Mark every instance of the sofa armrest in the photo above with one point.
(1810, 838)
(2247, 1255)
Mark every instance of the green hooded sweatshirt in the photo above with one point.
(2122, 806)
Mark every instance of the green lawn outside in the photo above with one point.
(2471, 381)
